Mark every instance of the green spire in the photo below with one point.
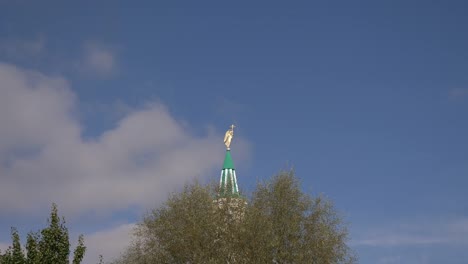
(228, 180)
(228, 164)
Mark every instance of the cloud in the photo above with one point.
(459, 226)
(98, 59)
(44, 158)
(23, 48)
(389, 260)
(4, 246)
(109, 243)
(458, 92)
(453, 232)
(397, 240)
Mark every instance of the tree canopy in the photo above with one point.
(49, 246)
(278, 224)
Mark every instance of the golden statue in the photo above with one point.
(228, 137)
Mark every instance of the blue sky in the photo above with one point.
(366, 99)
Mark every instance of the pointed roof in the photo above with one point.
(228, 180)
(228, 163)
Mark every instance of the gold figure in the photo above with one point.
(228, 137)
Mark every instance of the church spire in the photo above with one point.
(228, 180)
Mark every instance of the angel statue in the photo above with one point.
(228, 137)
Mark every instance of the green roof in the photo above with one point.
(228, 164)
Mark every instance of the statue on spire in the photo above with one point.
(228, 137)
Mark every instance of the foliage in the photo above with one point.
(101, 260)
(49, 246)
(79, 251)
(279, 224)
(17, 255)
(13, 254)
(54, 244)
(32, 249)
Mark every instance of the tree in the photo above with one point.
(285, 225)
(279, 224)
(80, 250)
(54, 244)
(14, 254)
(17, 255)
(49, 246)
(33, 255)
(181, 231)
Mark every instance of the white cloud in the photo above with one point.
(98, 59)
(23, 48)
(397, 240)
(389, 260)
(44, 159)
(458, 92)
(450, 232)
(4, 246)
(460, 226)
(109, 243)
